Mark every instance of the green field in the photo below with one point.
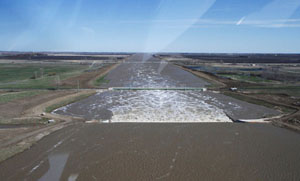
(7, 97)
(246, 78)
(101, 80)
(288, 90)
(35, 76)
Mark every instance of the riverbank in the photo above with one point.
(285, 104)
(20, 133)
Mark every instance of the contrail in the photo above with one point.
(241, 21)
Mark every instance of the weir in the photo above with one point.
(160, 88)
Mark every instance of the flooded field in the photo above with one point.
(160, 105)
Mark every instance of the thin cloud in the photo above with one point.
(280, 23)
(207, 23)
(280, 26)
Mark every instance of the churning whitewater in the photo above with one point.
(158, 105)
(150, 106)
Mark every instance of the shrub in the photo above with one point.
(51, 73)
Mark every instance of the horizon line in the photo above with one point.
(141, 52)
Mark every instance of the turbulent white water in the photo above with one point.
(159, 105)
(162, 106)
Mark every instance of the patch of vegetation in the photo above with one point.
(51, 108)
(35, 76)
(51, 73)
(101, 80)
(246, 78)
(10, 151)
(42, 120)
(288, 90)
(7, 97)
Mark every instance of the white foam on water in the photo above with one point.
(164, 106)
(151, 105)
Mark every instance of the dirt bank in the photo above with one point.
(18, 138)
(29, 120)
(17, 108)
(289, 106)
(86, 80)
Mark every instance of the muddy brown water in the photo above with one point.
(160, 151)
(170, 151)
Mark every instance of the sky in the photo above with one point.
(203, 26)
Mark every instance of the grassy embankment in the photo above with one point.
(282, 108)
(51, 108)
(247, 78)
(101, 80)
(12, 150)
(254, 89)
(44, 76)
(293, 91)
(27, 121)
(11, 96)
(39, 77)
(260, 85)
(33, 76)
(265, 93)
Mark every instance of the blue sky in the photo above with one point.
(230, 26)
